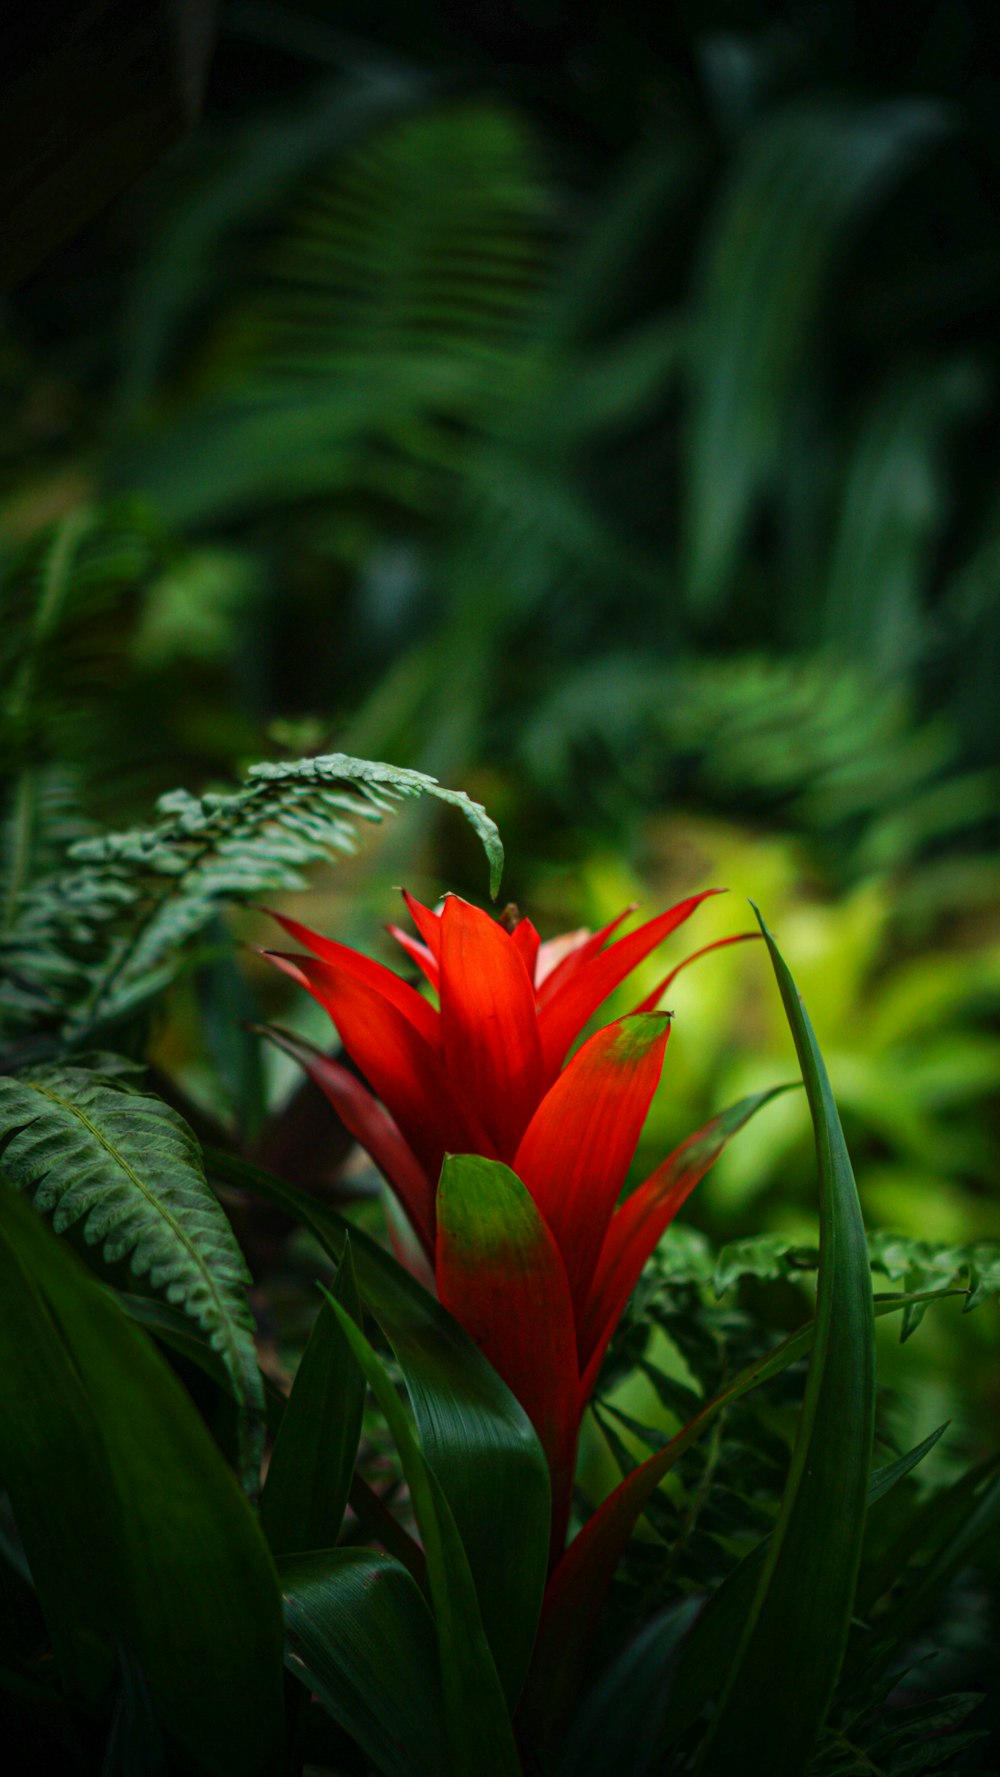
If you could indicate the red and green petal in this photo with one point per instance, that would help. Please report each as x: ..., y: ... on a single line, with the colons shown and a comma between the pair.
x: 641, y: 1221
x: 351, y: 962
x: 370, y: 1125
x: 577, y: 995
x: 500, y: 1273
x: 579, y: 1145
x: 397, y: 1062
x: 489, y: 1032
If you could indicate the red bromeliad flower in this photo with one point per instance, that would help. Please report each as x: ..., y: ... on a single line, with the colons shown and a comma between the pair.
x: 485, y: 1076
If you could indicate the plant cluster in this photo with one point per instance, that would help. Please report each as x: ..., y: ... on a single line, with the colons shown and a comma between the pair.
x: 447, y: 1587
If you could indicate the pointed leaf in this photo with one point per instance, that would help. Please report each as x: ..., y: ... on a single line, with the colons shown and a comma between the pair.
x: 136, y: 1532
x: 371, y: 1125
x: 478, y: 1723
x: 583, y: 988
x: 474, y: 1434
x: 489, y: 1031
x: 309, y: 1475
x: 358, y: 1632
x: 779, y: 1689
x: 343, y: 960
x: 636, y: 1227
x: 400, y: 1066
x: 579, y: 1144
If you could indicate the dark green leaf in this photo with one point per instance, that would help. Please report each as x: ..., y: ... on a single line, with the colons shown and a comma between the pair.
x: 129, y: 1170
x: 136, y: 1532
x: 779, y: 1688
x: 479, y: 1729
x: 474, y: 1434
x: 358, y: 1632
x: 309, y: 1475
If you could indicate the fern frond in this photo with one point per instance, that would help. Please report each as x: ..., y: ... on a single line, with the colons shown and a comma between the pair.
x: 92, y: 1151
x: 95, y: 941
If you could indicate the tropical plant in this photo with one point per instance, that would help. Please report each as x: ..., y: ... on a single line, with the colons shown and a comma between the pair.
x: 447, y: 1628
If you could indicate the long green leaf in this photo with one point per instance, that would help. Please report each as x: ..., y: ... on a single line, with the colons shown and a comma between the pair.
x: 309, y: 1475
x: 127, y: 1168
x: 581, y: 1580
x: 713, y: 1644
x: 780, y: 1685
x: 479, y: 1730
x: 136, y: 1532
x: 807, y: 175
x: 359, y: 1633
x: 474, y: 1434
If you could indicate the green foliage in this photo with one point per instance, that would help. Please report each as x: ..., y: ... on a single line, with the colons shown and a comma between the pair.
x: 344, y: 1609
x: 125, y: 1168
x: 309, y: 1475
x: 134, y: 1529
x: 475, y: 1436
x: 777, y: 1693
x: 93, y: 943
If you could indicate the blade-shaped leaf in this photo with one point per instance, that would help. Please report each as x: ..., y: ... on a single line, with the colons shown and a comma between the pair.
x: 359, y: 1633
x: 479, y: 1730
x: 309, y: 1475
x: 618, y: 1727
x: 579, y: 1584
x: 129, y: 1170
x: 713, y: 1643
x: 781, y: 1683
x: 474, y: 1434
x: 136, y: 1532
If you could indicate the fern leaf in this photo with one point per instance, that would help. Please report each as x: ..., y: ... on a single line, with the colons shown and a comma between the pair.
x: 127, y: 1170
x: 94, y: 942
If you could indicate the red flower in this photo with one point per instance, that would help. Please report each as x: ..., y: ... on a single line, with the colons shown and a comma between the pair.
x: 543, y: 1287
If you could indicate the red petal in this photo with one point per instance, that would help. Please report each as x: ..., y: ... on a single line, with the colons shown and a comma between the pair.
x: 500, y: 1274
x: 351, y: 962
x: 652, y: 1000
x: 422, y: 956
x: 578, y: 1147
x: 560, y: 958
x: 399, y: 1065
x: 373, y: 1128
x: 580, y: 993
x: 527, y: 941
x: 427, y: 922
x: 489, y: 1032
x: 637, y: 1226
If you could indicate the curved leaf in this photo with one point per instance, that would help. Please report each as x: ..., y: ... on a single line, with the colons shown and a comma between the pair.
x: 309, y: 1474
x: 806, y: 177
x: 358, y: 1632
x: 780, y: 1686
x: 478, y: 1724
x: 475, y: 1435
x: 136, y: 1532
x: 126, y: 1167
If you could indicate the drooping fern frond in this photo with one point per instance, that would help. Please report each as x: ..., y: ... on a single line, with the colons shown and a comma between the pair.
x: 93, y: 942
x: 94, y: 1152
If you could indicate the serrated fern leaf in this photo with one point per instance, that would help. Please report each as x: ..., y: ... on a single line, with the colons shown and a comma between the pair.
x: 95, y: 941
x: 127, y: 1170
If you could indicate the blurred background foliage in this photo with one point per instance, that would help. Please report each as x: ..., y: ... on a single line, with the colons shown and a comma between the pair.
x: 594, y: 409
